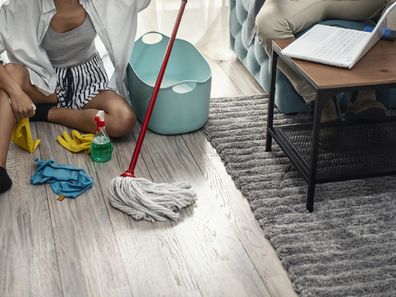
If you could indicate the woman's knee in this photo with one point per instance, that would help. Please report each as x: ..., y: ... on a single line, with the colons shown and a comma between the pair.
x: 123, y: 122
x: 270, y: 25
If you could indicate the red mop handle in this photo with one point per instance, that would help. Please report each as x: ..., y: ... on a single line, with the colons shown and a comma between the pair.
x: 143, y: 130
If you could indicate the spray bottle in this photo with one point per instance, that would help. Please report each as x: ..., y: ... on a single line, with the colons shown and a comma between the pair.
x: 101, y: 147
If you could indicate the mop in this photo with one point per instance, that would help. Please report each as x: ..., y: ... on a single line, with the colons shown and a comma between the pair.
x: 139, y: 197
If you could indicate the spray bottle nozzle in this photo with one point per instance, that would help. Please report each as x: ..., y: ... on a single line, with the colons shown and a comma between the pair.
x: 99, y: 119
x: 99, y: 115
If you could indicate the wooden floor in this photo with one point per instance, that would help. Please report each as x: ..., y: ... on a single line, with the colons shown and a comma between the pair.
x: 84, y: 247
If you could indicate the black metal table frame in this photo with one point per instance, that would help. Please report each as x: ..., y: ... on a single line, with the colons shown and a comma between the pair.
x: 322, y: 95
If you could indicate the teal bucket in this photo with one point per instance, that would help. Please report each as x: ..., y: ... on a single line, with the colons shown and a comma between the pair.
x: 182, y: 104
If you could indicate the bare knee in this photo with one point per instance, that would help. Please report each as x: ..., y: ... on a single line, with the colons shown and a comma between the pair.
x: 123, y: 121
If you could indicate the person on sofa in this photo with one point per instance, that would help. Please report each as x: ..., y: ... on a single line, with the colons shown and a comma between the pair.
x: 279, y: 19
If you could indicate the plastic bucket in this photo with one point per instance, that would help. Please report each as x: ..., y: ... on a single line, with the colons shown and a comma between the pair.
x: 182, y: 104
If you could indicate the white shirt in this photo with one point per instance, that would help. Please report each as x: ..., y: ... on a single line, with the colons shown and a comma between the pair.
x: 23, y: 24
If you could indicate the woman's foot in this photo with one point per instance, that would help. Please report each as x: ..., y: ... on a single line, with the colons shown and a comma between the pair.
x: 5, y: 180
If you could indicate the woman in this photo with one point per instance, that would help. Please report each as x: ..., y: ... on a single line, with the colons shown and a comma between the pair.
x: 283, y: 18
x: 54, y: 65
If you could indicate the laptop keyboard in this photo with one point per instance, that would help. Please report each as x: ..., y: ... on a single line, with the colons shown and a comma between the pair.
x: 338, y: 46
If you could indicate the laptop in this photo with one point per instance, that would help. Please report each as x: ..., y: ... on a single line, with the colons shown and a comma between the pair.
x: 336, y: 46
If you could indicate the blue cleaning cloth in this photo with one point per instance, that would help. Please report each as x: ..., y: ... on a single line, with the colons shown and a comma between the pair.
x: 64, y: 179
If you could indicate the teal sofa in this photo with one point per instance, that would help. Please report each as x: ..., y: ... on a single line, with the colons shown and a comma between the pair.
x: 256, y: 61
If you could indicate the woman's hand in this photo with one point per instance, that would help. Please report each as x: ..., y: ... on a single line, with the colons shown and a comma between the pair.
x: 22, y: 106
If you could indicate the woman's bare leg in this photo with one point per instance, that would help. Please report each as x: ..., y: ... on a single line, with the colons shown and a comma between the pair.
x: 7, y: 123
x: 20, y: 74
x: 119, y: 116
x: 7, y: 119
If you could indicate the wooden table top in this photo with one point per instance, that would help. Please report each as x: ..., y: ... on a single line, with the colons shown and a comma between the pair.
x: 377, y: 67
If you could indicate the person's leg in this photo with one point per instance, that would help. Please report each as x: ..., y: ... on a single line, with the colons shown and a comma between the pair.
x: 119, y: 116
x: 280, y: 19
x: 366, y: 106
x: 42, y: 102
x: 20, y: 74
x: 7, y: 123
x: 283, y: 18
x: 7, y: 118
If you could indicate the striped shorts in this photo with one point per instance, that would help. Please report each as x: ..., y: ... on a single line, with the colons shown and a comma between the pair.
x: 77, y: 85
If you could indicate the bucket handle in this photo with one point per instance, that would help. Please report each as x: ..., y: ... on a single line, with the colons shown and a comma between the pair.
x: 177, y: 88
x: 163, y: 39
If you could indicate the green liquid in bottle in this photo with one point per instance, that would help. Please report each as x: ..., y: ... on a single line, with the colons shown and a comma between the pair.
x: 101, y: 149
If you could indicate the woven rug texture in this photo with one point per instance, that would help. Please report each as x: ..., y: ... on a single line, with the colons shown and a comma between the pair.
x: 347, y: 246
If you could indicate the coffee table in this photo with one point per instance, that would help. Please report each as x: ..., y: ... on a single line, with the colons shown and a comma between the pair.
x: 343, y: 150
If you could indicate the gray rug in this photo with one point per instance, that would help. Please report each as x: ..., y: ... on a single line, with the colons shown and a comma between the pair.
x: 346, y: 247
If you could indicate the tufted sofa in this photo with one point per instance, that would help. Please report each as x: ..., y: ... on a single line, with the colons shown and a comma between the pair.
x: 256, y: 61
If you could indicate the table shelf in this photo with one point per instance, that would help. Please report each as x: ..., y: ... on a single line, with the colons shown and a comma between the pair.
x: 347, y: 150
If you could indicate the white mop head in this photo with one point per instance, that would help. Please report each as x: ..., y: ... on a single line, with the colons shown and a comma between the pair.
x: 143, y: 199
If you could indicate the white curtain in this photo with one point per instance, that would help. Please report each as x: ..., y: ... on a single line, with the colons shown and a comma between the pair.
x: 204, y: 23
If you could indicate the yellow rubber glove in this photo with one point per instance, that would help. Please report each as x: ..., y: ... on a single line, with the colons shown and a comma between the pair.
x: 76, y: 142
x: 22, y: 136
